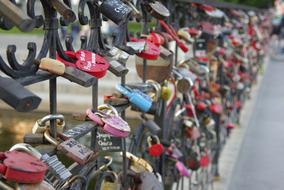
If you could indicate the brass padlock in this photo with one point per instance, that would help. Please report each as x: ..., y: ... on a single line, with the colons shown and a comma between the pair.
x: 111, y: 185
x: 166, y: 92
x: 137, y: 164
x: 42, y: 124
x: 72, y: 149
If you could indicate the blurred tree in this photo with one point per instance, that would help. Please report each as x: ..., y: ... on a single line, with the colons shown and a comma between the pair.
x: 255, y: 3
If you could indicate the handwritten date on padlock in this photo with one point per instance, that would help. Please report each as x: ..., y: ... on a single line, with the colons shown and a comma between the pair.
x: 75, y: 150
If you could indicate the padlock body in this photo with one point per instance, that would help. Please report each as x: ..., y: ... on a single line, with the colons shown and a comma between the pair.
x: 76, y: 151
x: 115, y: 10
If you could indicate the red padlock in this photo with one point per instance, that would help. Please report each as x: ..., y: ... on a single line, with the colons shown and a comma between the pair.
x: 193, y: 32
x: 155, y: 148
x: 204, y: 159
x: 216, y: 108
x: 230, y: 125
x: 156, y: 38
x: 189, y: 110
x: 21, y: 167
x: 91, y: 63
x: 151, y: 51
x: 86, y: 61
x: 201, y: 106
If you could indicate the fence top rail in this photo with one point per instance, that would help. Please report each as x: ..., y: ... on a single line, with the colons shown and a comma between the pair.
x: 224, y: 5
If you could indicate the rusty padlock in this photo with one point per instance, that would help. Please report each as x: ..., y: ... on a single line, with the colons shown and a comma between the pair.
x: 21, y: 167
x: 155, y: 148
x: 72, y: 149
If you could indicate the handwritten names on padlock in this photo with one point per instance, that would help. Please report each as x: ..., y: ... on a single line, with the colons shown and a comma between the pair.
x: 75, y: 150
x: 107, y: 142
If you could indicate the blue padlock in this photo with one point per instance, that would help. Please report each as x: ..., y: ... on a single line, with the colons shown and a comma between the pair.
x: 136, y: 97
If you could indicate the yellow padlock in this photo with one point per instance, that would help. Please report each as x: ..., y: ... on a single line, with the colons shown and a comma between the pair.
x: 166, y: 93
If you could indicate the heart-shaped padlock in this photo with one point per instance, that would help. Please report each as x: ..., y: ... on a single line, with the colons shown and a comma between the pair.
x: 91, y: 63
x: 111, y: 122
x: 155, y: 148
x: 86, y: 61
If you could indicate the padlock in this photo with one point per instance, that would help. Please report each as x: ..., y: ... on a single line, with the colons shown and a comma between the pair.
x: 162, y: 65
x: 136, y: 97
x: 166, y: 93
x: 156, y: 38
x: 183, y: 171
x: 216, y: 108
x: 16, y: 16
x: 192, y: 160
x: 157, y: 9
x: 21, y: 167
x: 86, y: 61
x: 15, y: 95
x: 150, y: 52
x: 44, y: 185
x: 115, y: 10
x: 111, y: 182
x: 155, y: 148
x: 55, y: 167
x: 107, y: 117
x: 72, y: 149
x: 41, y: 125
x: 156, y: 94
x: 184, y: 35
x: 91, y: 63
x: 174, y: 152
x: 138, y: 46
x: 137, y: 164
x: 185, y: 83
x: 117, y: 68
x: 118, y: 54
x: 191, y: 131
x: 204, y: 159
x: 70, y: 73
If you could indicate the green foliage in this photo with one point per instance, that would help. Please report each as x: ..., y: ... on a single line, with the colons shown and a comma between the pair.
x: 255, y: 3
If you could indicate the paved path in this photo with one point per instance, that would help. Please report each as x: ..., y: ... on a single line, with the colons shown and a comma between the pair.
x: 259, y: 165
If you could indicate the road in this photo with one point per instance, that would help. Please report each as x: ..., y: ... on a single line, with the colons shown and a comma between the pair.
x: 259, y: 163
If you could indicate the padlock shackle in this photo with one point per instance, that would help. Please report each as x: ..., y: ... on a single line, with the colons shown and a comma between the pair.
x: 26, y: 148
x: 50, y: 139
x: 50, y: 117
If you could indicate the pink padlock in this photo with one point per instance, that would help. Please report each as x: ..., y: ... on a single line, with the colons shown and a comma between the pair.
x: 182, y: 169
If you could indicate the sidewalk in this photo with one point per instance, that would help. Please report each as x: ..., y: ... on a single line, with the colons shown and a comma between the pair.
x: 252, y: 158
